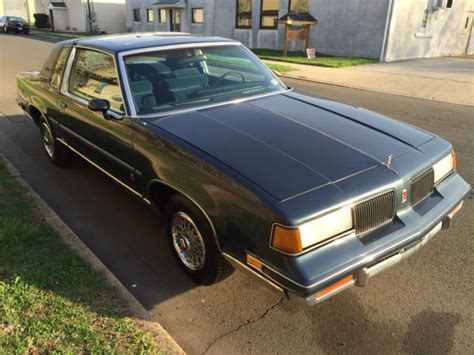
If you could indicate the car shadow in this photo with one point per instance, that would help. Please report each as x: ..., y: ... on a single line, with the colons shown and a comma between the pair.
x: 130, y: 239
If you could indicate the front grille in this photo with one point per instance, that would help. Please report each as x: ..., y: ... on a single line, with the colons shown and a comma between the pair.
x: 374, y: 212
x: 422, y: 186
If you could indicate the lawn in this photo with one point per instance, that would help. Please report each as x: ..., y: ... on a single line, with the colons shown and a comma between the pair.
x: 320, y: 60
x: 50, y: 300
x: 280, y: 68
x: 56, y: 35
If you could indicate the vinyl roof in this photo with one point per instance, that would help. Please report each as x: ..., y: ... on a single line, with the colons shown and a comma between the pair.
x: 124, y: 42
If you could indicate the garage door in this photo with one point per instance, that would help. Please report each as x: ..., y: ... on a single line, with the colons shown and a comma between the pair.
x: 15, y: 8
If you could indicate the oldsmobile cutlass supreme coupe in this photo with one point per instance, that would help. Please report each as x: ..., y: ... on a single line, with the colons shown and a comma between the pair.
x: 310, y: 195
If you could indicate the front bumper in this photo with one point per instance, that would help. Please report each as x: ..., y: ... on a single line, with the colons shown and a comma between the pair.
x: 356, y: 261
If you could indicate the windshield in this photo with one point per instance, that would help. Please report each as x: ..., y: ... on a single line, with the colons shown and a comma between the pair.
x: 189, y: 77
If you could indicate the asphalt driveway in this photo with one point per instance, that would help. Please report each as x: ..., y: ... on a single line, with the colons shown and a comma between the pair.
x: 423, y: 305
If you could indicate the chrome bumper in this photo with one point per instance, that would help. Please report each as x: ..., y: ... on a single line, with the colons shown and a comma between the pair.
x: 362, y: 276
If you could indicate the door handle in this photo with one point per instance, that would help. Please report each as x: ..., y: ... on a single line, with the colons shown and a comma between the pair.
x: 62, y: 105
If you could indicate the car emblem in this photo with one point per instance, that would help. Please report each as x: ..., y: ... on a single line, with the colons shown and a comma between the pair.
x: 404, y: 195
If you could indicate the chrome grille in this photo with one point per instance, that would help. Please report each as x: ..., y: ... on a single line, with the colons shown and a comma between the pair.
x: 374, y: 212
x: 422, y: 186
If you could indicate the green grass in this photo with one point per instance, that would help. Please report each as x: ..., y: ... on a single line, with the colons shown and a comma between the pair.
x: 50, y: 300
x: 281, y: 68
x: 320, y: 60
x: 55, y: 35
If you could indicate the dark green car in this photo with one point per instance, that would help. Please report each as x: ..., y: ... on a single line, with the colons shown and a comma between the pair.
x: 309, y: 195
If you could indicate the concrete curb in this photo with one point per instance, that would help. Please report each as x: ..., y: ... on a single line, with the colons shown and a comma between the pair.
x: 387, y: 92
x: 135, y: 309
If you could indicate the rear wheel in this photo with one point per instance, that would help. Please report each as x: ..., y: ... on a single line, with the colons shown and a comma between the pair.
x: 193, y: 243
x: 55, y: 150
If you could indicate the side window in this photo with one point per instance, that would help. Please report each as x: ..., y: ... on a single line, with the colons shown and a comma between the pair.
x: 231, y: 60
x: 93, y: 75
x: 57, y: 72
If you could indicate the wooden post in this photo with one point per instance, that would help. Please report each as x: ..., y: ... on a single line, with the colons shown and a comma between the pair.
x: 285, y: 50
x: 306, y: 40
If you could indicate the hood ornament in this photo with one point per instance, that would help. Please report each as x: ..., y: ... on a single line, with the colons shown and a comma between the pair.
x: 389, y: 160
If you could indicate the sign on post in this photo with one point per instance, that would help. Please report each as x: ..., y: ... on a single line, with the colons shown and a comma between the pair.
x: 311, y: 53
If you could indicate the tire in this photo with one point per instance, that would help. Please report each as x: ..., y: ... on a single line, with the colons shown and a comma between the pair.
x: 27, y: 32
x: 55, y: 150
x: 206, y: 267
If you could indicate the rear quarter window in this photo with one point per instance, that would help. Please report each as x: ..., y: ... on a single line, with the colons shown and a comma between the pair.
x: 47, y: 69
x: 57, y: 71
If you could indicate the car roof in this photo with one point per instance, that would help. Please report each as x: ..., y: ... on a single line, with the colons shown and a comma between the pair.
x: 130, y: 41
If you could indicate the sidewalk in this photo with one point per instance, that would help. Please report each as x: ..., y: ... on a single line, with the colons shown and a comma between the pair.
x: 444, y: 79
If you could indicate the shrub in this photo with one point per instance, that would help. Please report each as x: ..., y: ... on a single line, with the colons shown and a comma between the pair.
x: 41, y: 20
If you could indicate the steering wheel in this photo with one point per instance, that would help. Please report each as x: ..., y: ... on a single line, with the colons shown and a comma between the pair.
x: 223, y: 76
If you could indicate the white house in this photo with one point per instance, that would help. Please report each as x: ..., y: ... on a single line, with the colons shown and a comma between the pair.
x: 72, y: 15
x: 382, y: 29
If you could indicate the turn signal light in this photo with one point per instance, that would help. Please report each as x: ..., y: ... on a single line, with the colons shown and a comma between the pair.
x: 336, y: 285
x: 454, y: 160
x: 254, y: 262
x: 287, y: 240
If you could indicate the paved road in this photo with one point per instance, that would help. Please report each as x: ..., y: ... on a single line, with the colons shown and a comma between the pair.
x: 423, y: 305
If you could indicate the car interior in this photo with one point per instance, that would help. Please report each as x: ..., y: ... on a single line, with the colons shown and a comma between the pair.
x: 161, y: 80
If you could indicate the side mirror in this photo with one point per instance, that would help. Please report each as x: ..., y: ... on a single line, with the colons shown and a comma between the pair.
x: 100, y: 105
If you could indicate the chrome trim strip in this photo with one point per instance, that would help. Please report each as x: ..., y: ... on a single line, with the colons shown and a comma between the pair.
x: 103, y: 170
x: 179, y: 46
x: 272, y: 283
x: 99, y: 149
x: 128, y: 94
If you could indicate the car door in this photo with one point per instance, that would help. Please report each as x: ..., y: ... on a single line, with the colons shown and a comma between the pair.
x: 104, y: 139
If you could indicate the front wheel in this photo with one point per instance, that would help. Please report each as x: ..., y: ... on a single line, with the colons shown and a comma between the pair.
x: 193, y: 243
x: 55, y: 150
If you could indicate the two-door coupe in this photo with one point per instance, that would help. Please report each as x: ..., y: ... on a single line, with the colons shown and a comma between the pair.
x: 310, y: 195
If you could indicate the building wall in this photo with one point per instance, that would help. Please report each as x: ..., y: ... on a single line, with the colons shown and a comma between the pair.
x: 346, y: 27
x: 142, y: 26
x: 76, y: 16
x: 61, y: 19
x: 110, y: 15
x: 352, y: 28
x: 444, y: 34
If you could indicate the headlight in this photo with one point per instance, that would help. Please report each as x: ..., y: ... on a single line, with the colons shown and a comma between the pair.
x: 444, y: 167
x: 295, y: 240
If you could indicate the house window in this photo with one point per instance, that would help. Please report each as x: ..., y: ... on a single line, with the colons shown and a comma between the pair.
x: 244, y: 14
x: 137, y: 15
x: 197, y: 15
x: 149, y: 15
x: 162, y: 17
x: 269, y: 14
x: 424, y: 22
x: 298, y: 6
x: 449, y: 4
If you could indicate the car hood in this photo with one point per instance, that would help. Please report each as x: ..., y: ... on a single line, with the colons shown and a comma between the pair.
x: 289, y: 144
